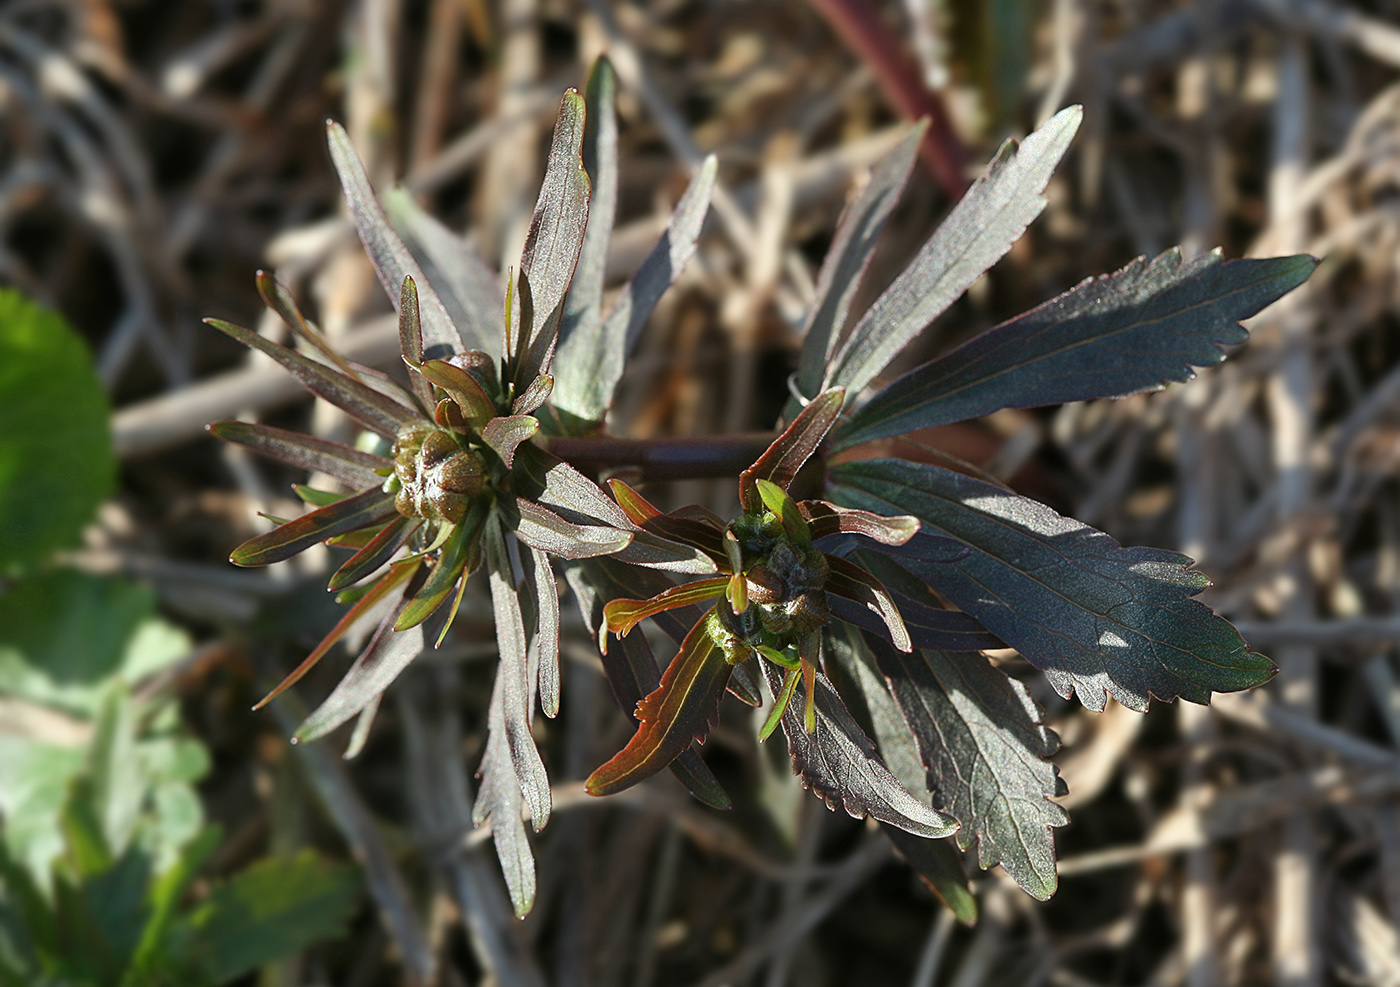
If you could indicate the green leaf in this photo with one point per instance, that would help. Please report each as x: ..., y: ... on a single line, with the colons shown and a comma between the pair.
x: 843, y: 270
x: 981, y: 228
x: 1097, y: 618
x: 274, y: 909
x: 1131, y: 331
x: 56, y: 462
x: 391, y: 259
x: 981, y: 738
x: 366, y: 508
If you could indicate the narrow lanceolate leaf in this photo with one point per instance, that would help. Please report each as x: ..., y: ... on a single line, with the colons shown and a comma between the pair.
x: 843, y: 270
x: 1097, y: 618
x: 376, y: 411
x: 477, y: 406
x: 850, y: 581
x: 377, y: 551
x: 829, y: 519
x: 629, y: 664
x: 391, y: 259
x: 991, y: 216
x: 305, y: 451
x: 637, y: 508
x: 281, y: 543
x: 622, y: 615
x: 514, y: 675
x: 940, y: 866
x: 541, y: 528
x: 790, y: 450
x: 927, y: 627
x: 533, y: 396
x: 504, y: 435
x: 411, y: 341
x: 683, y: 708
x: 447, y: 571
x: 387, y: 654
x: 547, y: 632
x: 467, y: 288
x: 553, y: 243
x: 981, y: 738
x: 499, y: 802
x: 276, y: 297
x: 591, y: 364
x: 1134, y: 330
x: 839, y: 763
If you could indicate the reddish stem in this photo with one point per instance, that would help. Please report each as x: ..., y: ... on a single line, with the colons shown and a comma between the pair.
x: 856, y: 24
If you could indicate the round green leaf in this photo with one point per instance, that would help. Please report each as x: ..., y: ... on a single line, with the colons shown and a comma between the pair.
x: 56, y: 462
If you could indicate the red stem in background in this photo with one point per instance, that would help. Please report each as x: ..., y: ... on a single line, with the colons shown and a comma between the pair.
x: 856, y: 24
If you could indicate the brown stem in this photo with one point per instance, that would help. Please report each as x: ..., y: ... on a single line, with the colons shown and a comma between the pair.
x: 856, y: 24
x: 665, y: 459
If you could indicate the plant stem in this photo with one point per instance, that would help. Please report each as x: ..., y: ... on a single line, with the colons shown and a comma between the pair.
x: 694, y: 458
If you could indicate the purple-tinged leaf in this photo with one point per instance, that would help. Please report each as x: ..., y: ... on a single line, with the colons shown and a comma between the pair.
x: 514, y: 674
x: 638, y: 509
x: 981, y: 737
x: 743, y: 686
x: 590, y: 364
x: 281, y: 543
x: 828, y: 519
x: 790, y: 450
x: 940, y: 867
x: 377, y: 551
x: 621, y: 615
x: 451, y: 566
x: 387, y: 583
x: 477, y: 407
x: 1097, y: 618
x: 305, y: 451
x: 535, y: 395
x: 1135, y: 330
x: 387, y: 654
x: 499, y: 802
x: 391, y: 259
x: 980, y: 229
x: 629, y: 664
x: 927, y: 627
x: 843, y: 270
x: 839, y: 763
x: 469, y: 290
x: 541, y: 528
x: 276, y: 297
x: 504, y: 435
x: 850, y: 581
x: 553, y: 243
x: 411, y: 341
x: 364, y: 403
x: 682, y: 708
x: 547, y: 632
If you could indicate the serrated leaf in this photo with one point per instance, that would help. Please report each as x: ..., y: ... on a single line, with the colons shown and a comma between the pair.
x: 682, y: 709
x: 1097, y: 618
x: 307, y: 452
x: 56, y: 462
x: 1135, y: 330
x: 843, y: 270
x: 391, y: 259
x: 467, y: 288
x: 790, y: 450
x: 980, y: 229
x: 282, y: 542
x: 275, y: 908
x: 355, y: 398
x: 839, y: 763
x: 981, y: 738
x: 590, y: 364
x: 513, y: 673
x: 553, y: 243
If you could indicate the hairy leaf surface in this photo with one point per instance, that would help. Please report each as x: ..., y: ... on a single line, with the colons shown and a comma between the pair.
x: 1097, y: 618
x: 1131, y: 331
x: 499, y: 803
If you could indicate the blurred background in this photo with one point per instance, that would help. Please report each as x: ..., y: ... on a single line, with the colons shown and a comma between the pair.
x: 153, y: 155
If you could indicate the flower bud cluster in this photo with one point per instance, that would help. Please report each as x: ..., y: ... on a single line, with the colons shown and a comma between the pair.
x: 438, y: 477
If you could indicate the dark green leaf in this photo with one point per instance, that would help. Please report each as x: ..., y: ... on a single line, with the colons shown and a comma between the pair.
x: 991, y: 216
x: 790, y: 450
x: 411, y: 341
x: 981, y: 738
x: 355, y: 398
x: 305, y: 451
x: 1131, y: 331
x: 275, y: 908
x: 282, y: 542
x: 448, y: 570
x: 56, y: 461
x: 391, y: 259
x: 843, y: 270
x: 377, y: 551
x: 1097, y: 618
